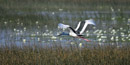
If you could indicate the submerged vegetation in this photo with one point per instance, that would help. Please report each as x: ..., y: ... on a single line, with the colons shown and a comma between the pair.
x: 28, y: 32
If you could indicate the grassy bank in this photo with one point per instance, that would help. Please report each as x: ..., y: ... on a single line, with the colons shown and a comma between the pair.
x: 109, y: 55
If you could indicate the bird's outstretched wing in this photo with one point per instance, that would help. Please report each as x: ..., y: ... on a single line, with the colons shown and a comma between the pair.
x: 63, y: 26
x: 82, y: 25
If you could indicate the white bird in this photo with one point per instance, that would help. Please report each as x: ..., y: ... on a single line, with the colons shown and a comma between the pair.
x: 77, y: 32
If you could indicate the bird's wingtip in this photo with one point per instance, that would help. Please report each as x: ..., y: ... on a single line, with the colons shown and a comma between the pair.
x: 90, y: 21
x: 60, y: 25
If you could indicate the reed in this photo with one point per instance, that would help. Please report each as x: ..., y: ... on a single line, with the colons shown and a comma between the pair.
x: 107, y: 55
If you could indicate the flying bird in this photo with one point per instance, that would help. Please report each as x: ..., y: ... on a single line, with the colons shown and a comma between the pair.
x: 77, y: 32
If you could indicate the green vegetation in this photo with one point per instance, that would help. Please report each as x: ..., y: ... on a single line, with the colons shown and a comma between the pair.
x: 67, y: 5
x: 108, y: 55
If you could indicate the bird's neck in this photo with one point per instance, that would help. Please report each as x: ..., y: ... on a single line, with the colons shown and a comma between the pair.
x: 65, y: 33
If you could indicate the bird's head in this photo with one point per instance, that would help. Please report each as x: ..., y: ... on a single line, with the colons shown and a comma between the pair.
x: 63, y: 33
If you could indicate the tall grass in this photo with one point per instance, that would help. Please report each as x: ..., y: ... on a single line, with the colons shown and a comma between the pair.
x: 107, y: 55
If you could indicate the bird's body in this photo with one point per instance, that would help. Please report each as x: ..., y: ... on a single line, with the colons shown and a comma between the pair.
x: 77, y: 32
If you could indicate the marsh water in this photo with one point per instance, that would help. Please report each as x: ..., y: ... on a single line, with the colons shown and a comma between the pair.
x: 40, y: 27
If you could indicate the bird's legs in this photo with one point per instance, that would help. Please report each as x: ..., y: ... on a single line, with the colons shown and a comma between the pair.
x: 84, y: 38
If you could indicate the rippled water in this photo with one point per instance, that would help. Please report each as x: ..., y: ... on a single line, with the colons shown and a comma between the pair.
x: 111, y: 28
